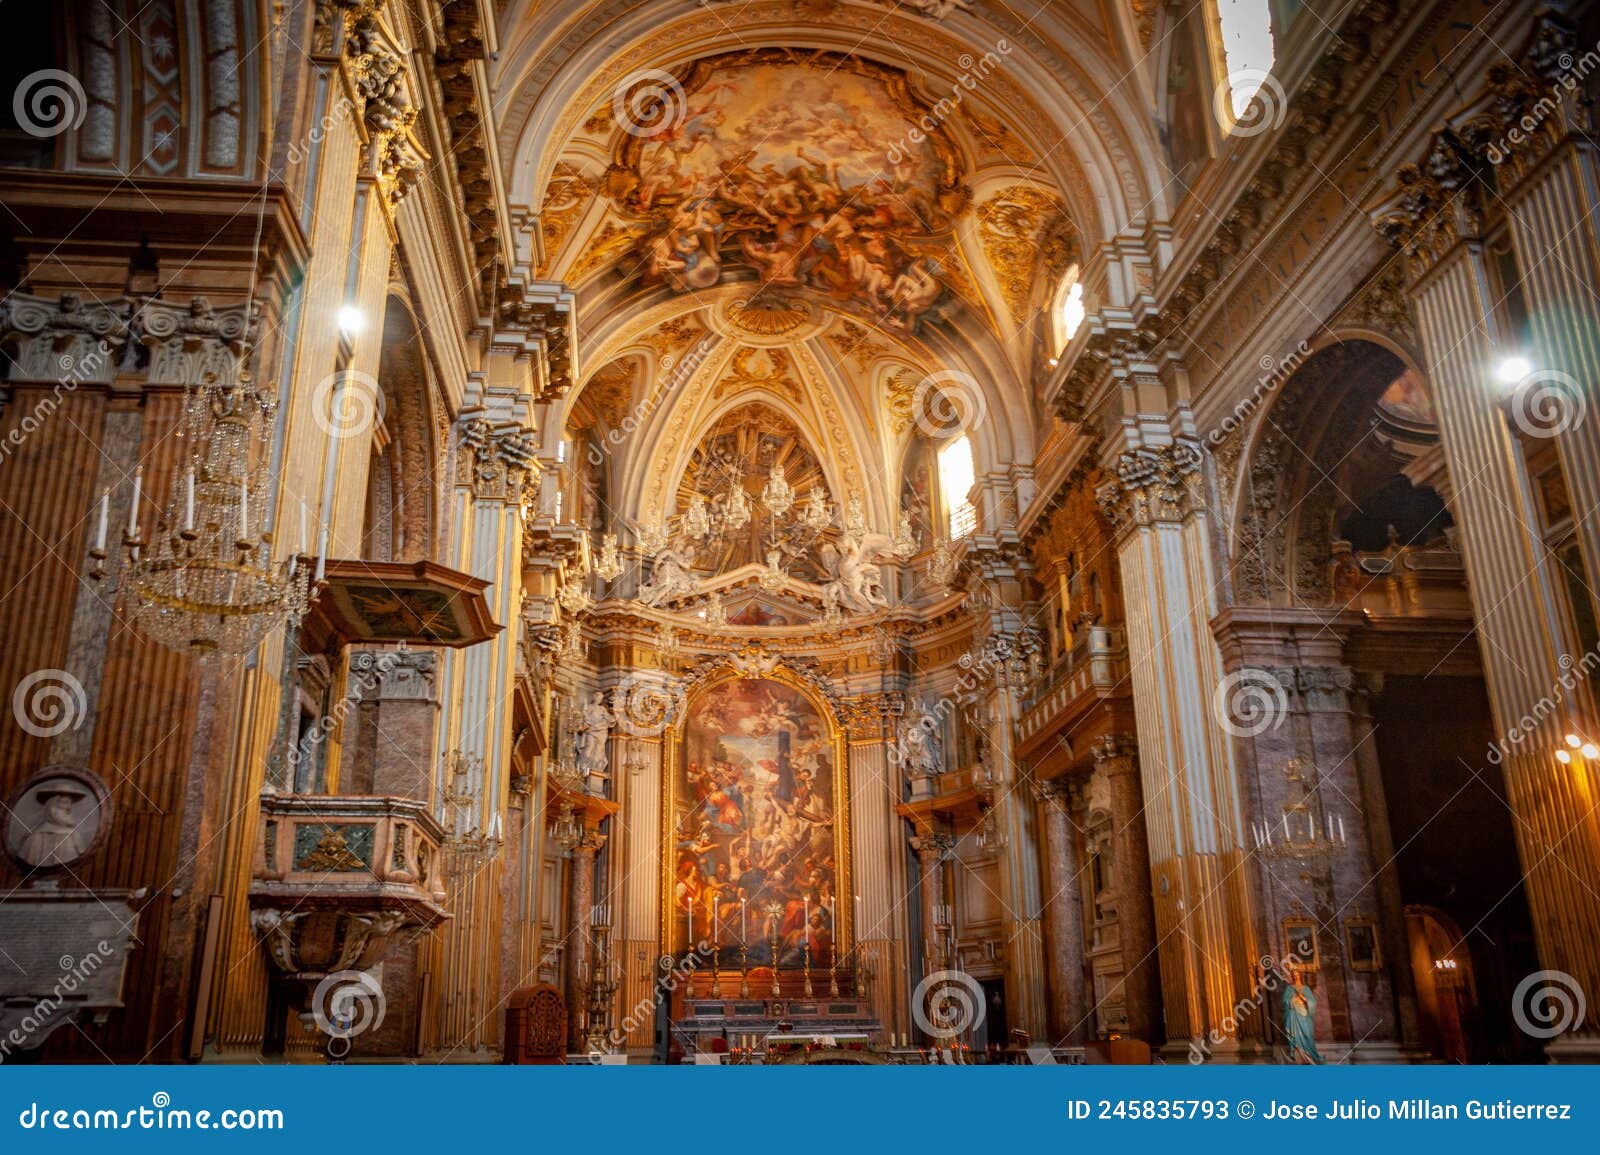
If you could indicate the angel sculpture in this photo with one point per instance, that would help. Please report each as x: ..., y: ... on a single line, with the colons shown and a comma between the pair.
x: 670, y: 578
x: 856, y: 578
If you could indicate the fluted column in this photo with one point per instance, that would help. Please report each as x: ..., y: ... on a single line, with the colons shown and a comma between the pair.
x: 1063, y: 916
x: 877, y: 863
x: 1526, y: 641
x: 1115, y: 759
x: 637, y: 833
x: 1187, y: 767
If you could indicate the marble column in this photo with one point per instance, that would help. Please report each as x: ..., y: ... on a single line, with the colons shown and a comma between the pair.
x: 1526, y: 639
x: 1187, y: 765
x: 1114, y: 758
x: 1068, y: 1007
x: 580, y: 902
x: 1393, y: 942
x: 932, y: 849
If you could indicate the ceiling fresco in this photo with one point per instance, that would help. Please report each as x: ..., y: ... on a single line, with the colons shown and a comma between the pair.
x: 807, y: 170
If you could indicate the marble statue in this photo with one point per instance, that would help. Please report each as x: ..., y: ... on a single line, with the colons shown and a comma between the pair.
x: 1299, y: 1019
x: 593, y: 729
x: 856, y: 578
x: 670, y: 578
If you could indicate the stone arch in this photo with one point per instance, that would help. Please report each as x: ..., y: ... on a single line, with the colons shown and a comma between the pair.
x: 1333, y: 433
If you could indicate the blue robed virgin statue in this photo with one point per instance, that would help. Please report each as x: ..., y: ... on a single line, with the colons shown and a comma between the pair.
x: 1299, y: 1019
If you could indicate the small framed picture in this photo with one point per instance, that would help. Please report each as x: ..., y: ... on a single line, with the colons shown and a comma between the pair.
x: 1300, y: 942
x: 1361, y: 944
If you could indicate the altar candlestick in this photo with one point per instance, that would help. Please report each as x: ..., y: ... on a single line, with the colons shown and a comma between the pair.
x: 133, y: 509
x: 100, y: 529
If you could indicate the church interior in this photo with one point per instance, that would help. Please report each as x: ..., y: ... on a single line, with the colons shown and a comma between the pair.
x: 800, y: 531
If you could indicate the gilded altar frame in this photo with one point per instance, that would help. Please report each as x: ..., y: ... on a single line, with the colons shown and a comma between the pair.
x: 671, y: 757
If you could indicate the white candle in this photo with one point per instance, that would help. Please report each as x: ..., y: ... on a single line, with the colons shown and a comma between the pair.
x: 322, y: 553
x: 744, y: 930
x: 1341, y: 828
x: 188, y: 501
x: 133, y: 509
x: 716, y: 921
x: 1330, y: 827
x: 691, y: 923
x: 105, y: 514
x: 244, y: 508
x: 1286, y: 836
x: 305, y: 538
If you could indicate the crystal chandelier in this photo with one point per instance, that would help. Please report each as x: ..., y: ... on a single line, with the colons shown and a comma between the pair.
x: 777, y: 496
x: 208, y: 582
x: 716, y: 614
x: 609, y: 567
x: 773, y: 578
x: 573, y: 597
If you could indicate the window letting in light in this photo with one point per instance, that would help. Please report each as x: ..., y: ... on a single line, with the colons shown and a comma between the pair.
x: 1246, y: 46
x: 956, y: 478
x: 1067, y: 312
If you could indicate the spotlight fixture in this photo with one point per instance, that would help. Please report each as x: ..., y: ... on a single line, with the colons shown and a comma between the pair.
x: 1513, y: 369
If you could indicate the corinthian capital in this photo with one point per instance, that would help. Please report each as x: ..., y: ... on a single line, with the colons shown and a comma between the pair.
x: 1154, y: 485
x: 496, y: 460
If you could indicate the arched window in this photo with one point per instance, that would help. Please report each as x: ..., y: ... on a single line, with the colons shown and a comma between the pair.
x: 1066, y: 311
x: 956, y: 478
x: 1246, y: 27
